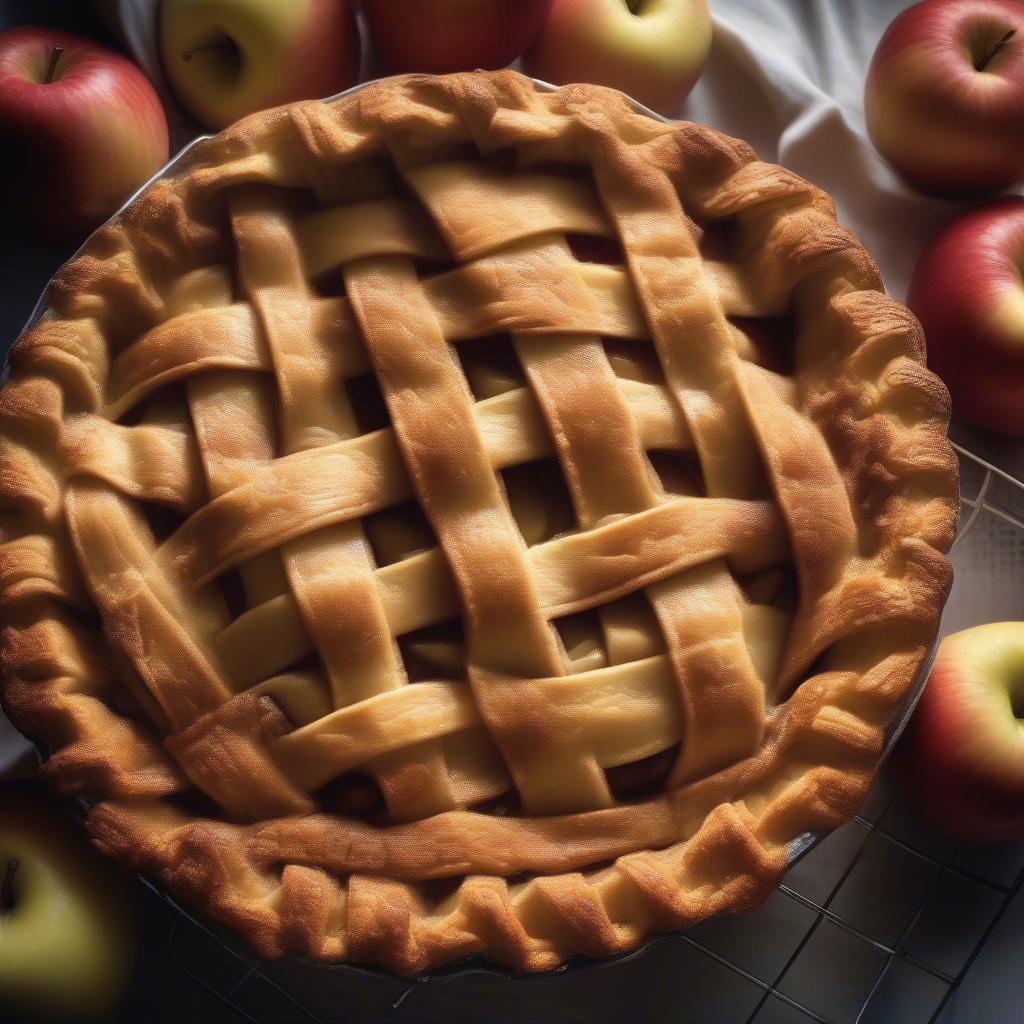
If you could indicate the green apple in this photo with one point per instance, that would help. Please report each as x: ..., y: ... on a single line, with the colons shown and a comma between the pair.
x: 654, y: 50
x: 227, y: 58
x: 67, y: 917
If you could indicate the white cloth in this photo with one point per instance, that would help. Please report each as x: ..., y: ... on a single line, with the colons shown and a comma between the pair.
x: 786, y: 75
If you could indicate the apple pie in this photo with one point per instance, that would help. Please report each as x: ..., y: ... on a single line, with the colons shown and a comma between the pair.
x: 463, y: 519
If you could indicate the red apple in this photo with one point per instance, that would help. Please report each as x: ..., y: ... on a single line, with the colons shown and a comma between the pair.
x: 968, y: 292
x: 440, y: 36
x: 963, y: 752
x: 229, y: 58
x: 654, y: 50
x: 944, y: 98
x: 67, y: 916
x: 82, y: 129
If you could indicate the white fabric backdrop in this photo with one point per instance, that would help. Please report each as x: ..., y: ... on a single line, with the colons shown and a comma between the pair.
x: 787, y: 76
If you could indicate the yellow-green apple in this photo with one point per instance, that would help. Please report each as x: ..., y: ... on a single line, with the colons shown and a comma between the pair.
x: 654, y: 50
x: 67, y: 917
x: 81, y: 126
x: 944, y: 98
x: 963, y: 752
x: 227, y: 58
x: 452, y: 35
x: 968, y: 292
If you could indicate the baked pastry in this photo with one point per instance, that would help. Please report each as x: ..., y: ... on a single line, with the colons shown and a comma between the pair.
x: 462, y: 518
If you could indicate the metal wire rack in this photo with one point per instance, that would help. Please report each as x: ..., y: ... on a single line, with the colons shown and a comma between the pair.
x: 884, y: 920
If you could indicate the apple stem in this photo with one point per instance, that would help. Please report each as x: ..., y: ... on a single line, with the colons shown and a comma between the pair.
x: 54, y: 57
x: 189, y: 54
x: 997, y: 46
x: 7, y: 889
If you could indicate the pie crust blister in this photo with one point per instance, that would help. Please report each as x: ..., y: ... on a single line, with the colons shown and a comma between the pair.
x: 461, y: 518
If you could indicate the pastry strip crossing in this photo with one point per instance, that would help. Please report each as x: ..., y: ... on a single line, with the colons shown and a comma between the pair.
x: 461, y: 518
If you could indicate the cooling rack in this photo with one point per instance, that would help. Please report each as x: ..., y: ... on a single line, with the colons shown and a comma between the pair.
x: 883, y: 920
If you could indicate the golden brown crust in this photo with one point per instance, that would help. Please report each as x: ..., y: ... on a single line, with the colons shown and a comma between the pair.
x: 850, y: 447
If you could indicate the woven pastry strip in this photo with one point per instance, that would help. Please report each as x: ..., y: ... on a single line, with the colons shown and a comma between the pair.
x: 476, y: 484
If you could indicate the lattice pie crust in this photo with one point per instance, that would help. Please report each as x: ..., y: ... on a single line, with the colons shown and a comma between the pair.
x: 460, y: 518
